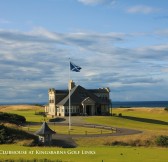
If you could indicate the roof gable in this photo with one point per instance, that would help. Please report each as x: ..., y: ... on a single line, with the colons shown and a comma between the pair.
x: 88, y: 101
x: 44, y: 130
x: 78, y: 94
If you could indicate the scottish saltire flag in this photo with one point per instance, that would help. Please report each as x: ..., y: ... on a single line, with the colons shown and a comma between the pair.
x: 74, y: 67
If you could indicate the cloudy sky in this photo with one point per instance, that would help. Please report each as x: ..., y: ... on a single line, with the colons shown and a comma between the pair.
x: 120, y: 44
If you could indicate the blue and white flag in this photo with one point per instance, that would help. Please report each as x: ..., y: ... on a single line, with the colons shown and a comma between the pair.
x: 74, y: 67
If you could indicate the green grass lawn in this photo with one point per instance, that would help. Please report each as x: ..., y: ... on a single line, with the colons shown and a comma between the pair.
x: 150, y: 113
x: 61, y: 129
x: 126, y: 123
x: 28, y: 111
x: 30, y: 115
x: 154, y: 123
x: 143, y: 119
x: 107, y: 154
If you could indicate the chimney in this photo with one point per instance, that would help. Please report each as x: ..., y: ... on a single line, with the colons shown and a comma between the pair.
x: 71, y: 84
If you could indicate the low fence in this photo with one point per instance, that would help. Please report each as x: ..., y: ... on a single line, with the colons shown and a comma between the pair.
x: 97, y: 129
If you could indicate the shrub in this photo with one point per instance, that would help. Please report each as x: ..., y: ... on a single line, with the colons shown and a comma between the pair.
x: 12, y: 118
x: 120, y: 143
x: 105, y: 114
x: 166, y: 108
x: 56, y: 120
x: 114, y: 114
x: 135, y: 142
x: 40, y: 113
x: 162, y: 141
x: 2, y: 136
x: 130, y: 142
x: 120, y: 114
x: 38, y: 105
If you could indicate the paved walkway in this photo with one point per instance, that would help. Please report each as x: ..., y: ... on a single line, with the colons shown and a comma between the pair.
x: 79, y: 121
x: 67, y: 141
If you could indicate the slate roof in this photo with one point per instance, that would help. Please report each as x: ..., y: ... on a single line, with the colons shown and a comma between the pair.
x: 78, y: 94
x: 44, y: 130
x: 59, y: 97
x: 61, y: 91
x: 100, y: 90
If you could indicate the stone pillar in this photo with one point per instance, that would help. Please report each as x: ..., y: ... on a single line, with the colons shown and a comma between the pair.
x: 71, y: 84
x: 84, y: 109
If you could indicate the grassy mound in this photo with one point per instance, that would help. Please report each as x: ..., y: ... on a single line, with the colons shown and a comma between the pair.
x: 6, y: 108
x: 10, y: 135
x: 28, y: 111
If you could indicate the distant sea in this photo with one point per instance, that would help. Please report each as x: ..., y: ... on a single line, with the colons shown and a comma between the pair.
x: 116, y: 104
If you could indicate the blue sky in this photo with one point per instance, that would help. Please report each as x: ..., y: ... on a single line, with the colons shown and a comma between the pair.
x: 119, y: 44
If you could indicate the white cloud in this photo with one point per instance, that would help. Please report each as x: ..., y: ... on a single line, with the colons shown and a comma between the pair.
x: 142, y: 9
x: 31, y: 62
x: 163, y: 32
x: 165, y: 70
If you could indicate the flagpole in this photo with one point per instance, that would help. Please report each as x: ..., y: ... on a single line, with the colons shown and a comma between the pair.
x: 75, y: 68
x: 69, y: 97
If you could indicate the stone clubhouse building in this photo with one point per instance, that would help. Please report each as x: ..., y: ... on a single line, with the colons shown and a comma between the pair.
x: 83, y: 101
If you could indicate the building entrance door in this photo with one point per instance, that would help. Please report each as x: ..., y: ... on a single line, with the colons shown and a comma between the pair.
x: 99, y: 110
x: 89, y: 110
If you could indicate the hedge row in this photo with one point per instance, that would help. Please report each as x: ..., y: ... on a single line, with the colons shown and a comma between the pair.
x: 12, y: 118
